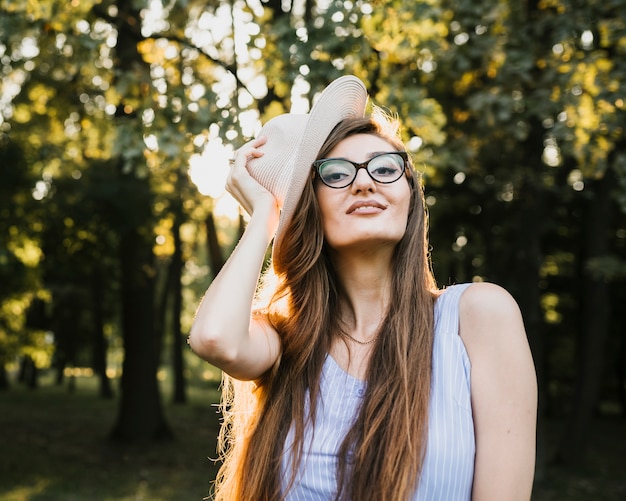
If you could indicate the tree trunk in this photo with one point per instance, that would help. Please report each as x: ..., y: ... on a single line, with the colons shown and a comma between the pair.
x: 620, y: 368
x: 162, y: 294
x: 140, y: 415
x: 4, y: 377
x: 28, y: 372
x: 99, y: 342
x: 178, y: 341
x: 594, y: 307
x: 241, y: 227
x: 59, y: 367
x: 216, y: 258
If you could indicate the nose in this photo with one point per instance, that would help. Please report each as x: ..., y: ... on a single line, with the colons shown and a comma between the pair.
x: 362, y: 182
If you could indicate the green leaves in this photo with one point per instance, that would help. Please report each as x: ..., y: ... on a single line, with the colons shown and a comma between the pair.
x: 510, y: 109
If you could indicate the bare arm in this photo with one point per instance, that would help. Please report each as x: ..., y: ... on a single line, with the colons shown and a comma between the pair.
x: 504, y: 394
x: 224, y: 332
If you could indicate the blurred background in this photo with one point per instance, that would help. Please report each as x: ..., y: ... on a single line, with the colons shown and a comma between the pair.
x: 117, y: 119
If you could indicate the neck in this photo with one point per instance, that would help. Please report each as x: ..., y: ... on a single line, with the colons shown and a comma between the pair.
x: 366, y: 279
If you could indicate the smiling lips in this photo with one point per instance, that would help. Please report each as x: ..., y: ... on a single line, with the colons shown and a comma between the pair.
x: 366, y: 207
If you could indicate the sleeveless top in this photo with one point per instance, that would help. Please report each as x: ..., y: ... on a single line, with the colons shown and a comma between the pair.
x: 448, y: 469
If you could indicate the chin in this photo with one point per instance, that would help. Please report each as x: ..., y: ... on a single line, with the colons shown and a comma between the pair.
x: 369, y: 242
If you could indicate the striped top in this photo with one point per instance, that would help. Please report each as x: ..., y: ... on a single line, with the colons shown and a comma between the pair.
x: 448, y: 468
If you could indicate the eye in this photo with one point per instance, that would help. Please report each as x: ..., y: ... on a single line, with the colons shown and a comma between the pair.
x: 335, y: 171
x: 386, y: 167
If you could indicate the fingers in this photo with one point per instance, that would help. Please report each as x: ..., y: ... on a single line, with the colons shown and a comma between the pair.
x: 240, y: 184
x: 248, y: 151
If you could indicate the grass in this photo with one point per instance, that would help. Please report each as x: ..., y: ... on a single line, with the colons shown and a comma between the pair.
x: 602, y: 477
x: 54, y: 447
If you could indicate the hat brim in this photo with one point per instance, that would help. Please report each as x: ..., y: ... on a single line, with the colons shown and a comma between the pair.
x: 345, y: 97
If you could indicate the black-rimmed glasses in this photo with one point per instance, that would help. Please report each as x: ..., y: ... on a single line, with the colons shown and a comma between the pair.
x: 383, y: 168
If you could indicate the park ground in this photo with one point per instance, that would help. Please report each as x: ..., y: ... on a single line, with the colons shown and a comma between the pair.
x: 54, y: 447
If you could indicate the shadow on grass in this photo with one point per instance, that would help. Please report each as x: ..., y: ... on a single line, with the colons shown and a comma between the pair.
x: 55, y: 447
x: 601, y: 477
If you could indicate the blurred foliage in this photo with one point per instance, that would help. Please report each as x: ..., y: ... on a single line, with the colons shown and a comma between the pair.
x: 513, y: 112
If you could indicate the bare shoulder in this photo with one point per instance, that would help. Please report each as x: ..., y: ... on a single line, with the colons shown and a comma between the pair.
x: 485, y: 298
x: 488, y: 313
x: 490, y: 322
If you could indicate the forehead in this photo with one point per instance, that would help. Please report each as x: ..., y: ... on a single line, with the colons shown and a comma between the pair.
x: 361, y: 147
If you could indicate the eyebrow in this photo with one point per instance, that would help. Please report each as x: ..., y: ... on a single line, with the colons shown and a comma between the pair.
x: 368, y: 156
x: 374, y: 153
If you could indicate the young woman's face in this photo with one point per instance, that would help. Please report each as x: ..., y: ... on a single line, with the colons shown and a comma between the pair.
x: 365, y: 214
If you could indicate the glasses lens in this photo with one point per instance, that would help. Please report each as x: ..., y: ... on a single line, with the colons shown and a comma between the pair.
x: 336, y: 173
x: 386, y: 168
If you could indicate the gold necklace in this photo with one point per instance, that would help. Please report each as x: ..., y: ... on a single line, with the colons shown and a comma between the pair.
x: 363, y: 343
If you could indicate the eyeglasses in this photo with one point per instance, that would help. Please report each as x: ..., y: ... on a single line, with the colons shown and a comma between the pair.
x: 383, y: 168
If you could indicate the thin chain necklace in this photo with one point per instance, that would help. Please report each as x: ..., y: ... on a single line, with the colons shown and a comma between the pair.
x: 363, y: 343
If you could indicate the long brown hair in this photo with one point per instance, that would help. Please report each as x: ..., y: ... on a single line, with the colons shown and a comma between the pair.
x: 304, y: 309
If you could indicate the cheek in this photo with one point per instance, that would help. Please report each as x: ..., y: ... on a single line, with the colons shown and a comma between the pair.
x: 324, y: 203
x: 330, y: 221
x: 404, y: 202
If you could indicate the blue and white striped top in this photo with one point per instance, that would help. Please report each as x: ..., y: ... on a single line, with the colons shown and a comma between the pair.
x: 448, y: 468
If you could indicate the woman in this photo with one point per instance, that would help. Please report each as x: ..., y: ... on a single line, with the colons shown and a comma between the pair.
x: 357, y: 379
